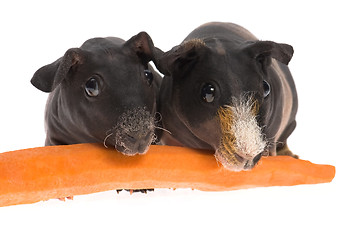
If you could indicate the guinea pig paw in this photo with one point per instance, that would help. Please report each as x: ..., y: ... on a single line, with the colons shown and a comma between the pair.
x: 64, y: 198
x: 131, y: 191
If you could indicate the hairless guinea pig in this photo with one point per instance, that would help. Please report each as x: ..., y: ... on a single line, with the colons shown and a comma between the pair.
x: 105, y: 91
x: 227, y: 91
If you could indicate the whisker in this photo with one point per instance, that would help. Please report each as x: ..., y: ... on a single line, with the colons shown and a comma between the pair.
x: 156, y: 119
x: 271, y: 143
x: 217, y: 161
x: 154, y: 139
x: 163, y: 129
x: 115, y: 147
x: 265, y: 153
x: 105, y: 140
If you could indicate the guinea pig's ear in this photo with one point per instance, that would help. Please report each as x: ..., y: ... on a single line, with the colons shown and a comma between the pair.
x: 50, y: 76
x: 263, y: 51
x: 143, y: 46
x: 181, y: 58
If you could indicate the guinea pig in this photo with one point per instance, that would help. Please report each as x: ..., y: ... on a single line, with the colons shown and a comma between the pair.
x: 226, y: 91
x: 103, y: 92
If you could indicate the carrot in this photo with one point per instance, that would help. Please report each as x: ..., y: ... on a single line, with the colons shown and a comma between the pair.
x: 32, y: 175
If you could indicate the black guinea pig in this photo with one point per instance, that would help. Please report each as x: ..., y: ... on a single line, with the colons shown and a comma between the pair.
x: 103, y: 92
x: 229, y: 92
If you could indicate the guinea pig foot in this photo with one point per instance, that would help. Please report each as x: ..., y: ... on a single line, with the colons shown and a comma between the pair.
x: 131, y: 191
x: 285, y: 151
x: 64, y: 198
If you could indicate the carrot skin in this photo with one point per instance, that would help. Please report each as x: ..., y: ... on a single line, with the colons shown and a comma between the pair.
x: 36, y: 174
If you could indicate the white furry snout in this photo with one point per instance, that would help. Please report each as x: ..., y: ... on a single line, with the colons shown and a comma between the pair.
x: 242, y: 138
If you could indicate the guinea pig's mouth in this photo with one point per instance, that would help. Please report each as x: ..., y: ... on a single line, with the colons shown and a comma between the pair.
x: 242, y: 142
x: 236, y: 162
x: 131, y: 146
x: 133, y: 132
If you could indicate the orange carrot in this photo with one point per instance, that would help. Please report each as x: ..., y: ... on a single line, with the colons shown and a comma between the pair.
x: 32, y: 175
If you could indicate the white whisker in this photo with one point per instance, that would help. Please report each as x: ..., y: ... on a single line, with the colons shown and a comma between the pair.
x: 154, y: 139
x: 163, y: 129
x: 105, y: 140
x: 217, y: 160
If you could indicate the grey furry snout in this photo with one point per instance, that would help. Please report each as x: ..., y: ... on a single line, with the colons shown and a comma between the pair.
x: 134, y: 131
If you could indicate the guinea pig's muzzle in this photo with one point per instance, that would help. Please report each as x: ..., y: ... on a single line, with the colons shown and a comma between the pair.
x: 242, y: 142
x: 133, y: 132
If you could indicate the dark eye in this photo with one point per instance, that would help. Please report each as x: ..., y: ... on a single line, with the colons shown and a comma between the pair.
x: 266, y: 88
x: 149, y: 75
x: 208, y: 92
x: 92, y: 87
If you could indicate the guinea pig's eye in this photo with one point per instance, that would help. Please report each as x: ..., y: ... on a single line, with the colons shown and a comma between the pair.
x: 208, y: 92
x: 266, y: 88
x: 92, y: 87
x: 149, y: 75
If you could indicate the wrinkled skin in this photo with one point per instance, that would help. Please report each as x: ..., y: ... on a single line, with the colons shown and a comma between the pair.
x: 223, y: 66
x: 103, y: 92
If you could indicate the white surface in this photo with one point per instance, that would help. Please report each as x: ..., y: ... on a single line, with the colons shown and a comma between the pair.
x: 326, y: 39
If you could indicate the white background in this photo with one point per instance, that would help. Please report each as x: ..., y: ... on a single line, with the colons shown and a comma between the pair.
x: 326, y: 68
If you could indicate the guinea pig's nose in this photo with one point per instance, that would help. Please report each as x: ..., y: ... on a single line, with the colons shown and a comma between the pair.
x: 257, y: 158
x: 132, y: 138
x: 137, y: 136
